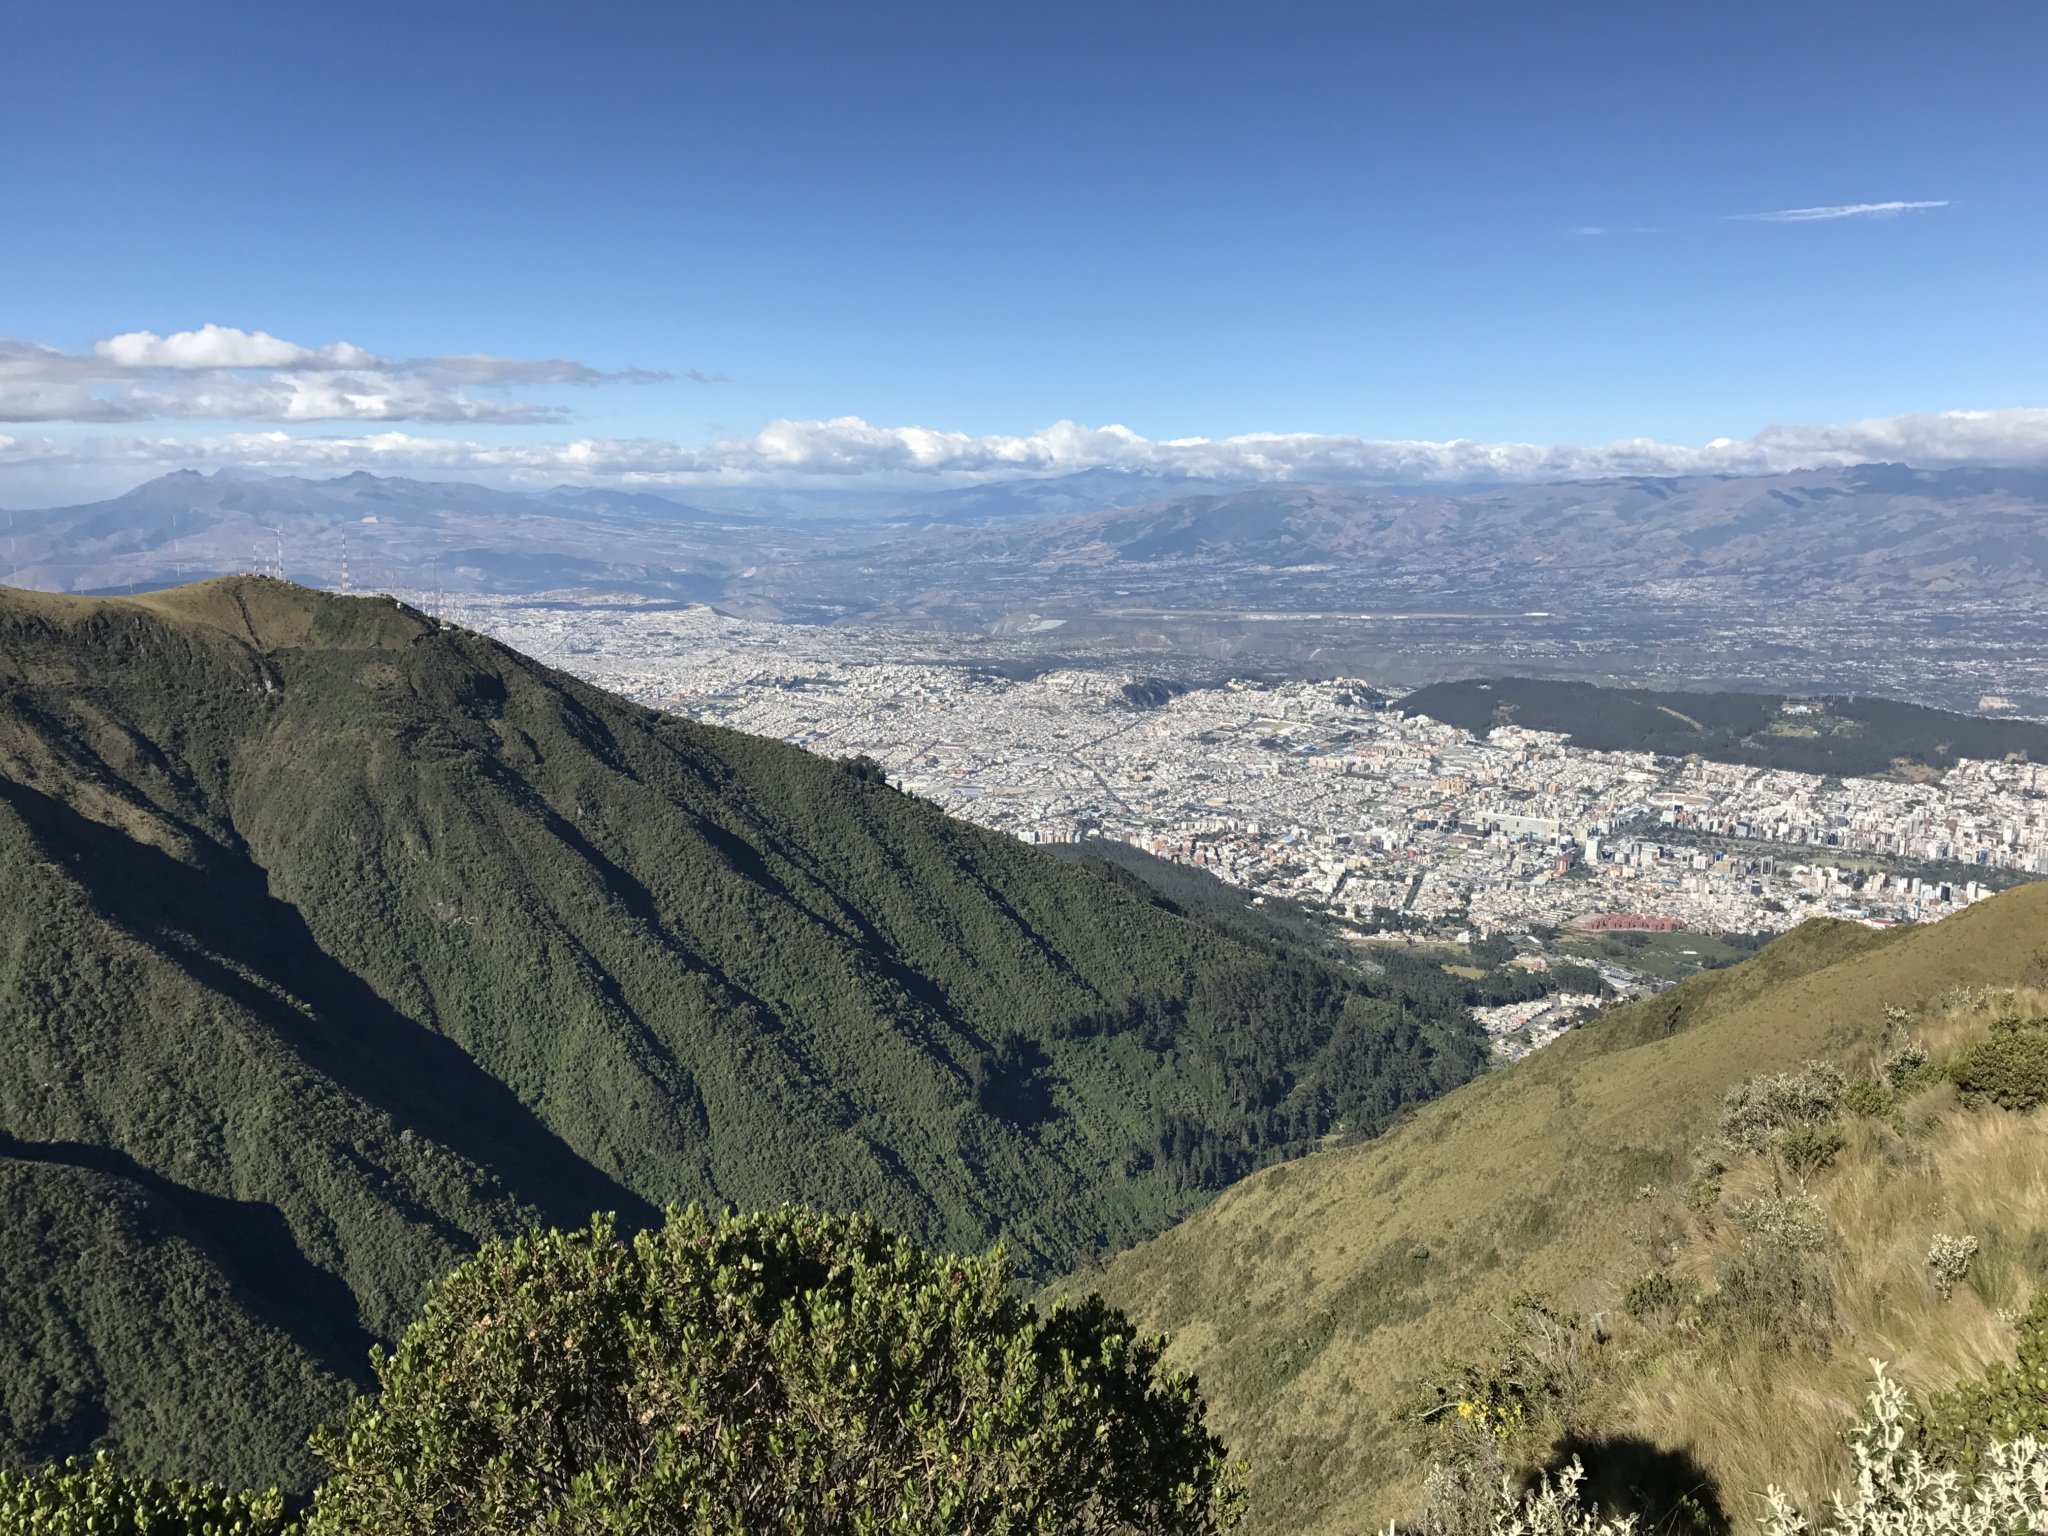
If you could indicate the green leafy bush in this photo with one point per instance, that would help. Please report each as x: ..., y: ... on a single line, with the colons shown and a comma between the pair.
x: 1809, y: 1148
x: 784, y: 1372
x: 1904, y: 1065
x: 1756, y: 1114
x: 2008, y: 1402
x: 1659, y: 1296
x: 2008, y: 1067
x: 93, y: 1499
x: 1869, y: 1097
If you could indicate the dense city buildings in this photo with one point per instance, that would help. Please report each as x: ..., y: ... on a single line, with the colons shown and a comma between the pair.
x: 1322, y: 792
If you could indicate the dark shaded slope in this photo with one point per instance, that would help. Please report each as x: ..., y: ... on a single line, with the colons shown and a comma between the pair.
x: 316, y: 906
x: 213, y: 1383
x: 228, y: 1164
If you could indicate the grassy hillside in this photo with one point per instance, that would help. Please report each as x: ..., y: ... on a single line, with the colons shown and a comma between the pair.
x: 1332, y: 1304
x: 333, y: 940
x: 1842, y: 736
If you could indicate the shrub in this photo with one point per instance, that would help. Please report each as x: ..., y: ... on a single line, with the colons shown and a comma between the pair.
x: 775, y: 1372
x: 1462, y: 1496
x: 1899, y: 1492
x: 2011, y: 1400
x: 1787, y: 1223
x: 93, y: 1499
x: 1757, y: 1113
x: 1459, y: 1506
x: 1948, y: 1258
x: 1869, y: 1097
x: 1775, y: 1288
x: 1902, y: 1066
x: 2008, y: 1067
x: 1554, y: 1509
x: 1809, y: 1148
x: 1542, y: 1367
x: 1659, y: 1296
x: 1703, y: 1195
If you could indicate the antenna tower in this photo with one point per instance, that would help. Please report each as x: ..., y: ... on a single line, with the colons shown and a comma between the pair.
x: 346, y: 589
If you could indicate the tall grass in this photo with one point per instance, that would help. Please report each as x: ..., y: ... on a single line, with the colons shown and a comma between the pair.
x: 1752, y: 1413
x: 1573, y: 1174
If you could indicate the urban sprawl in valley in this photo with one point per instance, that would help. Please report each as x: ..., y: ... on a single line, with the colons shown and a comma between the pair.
x: 1323, y: 793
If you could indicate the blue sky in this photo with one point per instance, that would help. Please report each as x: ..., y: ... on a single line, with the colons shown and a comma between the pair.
x: 1189, y: 220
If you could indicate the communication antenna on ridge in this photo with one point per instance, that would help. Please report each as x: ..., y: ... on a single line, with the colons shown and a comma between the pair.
x: 346, y: 590
x: 279, y: 532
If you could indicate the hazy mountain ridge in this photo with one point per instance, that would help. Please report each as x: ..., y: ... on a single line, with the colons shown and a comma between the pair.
x: 408, y: 533
x: 1866, y: 529
x: 1877, y: 523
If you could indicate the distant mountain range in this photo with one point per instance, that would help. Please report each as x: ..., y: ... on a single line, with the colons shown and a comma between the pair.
x: 336, y: 940
x: 375, y: 531
x: 1878, y: 524
x: 398, y: 533
x: 1861, y: 531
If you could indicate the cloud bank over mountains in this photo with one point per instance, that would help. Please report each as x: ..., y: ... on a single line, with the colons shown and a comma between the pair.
x: 244, y: 379
x: 848, y: 449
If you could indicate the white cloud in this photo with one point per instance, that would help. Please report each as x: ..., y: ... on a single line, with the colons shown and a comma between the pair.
x: 848, y: 449
x: 222, y: 346
x: 220, y: 373
x: 1839, y: 211
x: 503, y: 372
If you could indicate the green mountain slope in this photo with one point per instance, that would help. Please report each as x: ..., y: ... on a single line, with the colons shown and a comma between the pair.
x: 1843, y: 736
x: 1318, y: 1298
x: 216, y: 1379
x: 333, y: 940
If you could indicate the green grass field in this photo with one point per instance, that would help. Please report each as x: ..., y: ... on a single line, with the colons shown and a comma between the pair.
x: 1669, y: 956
